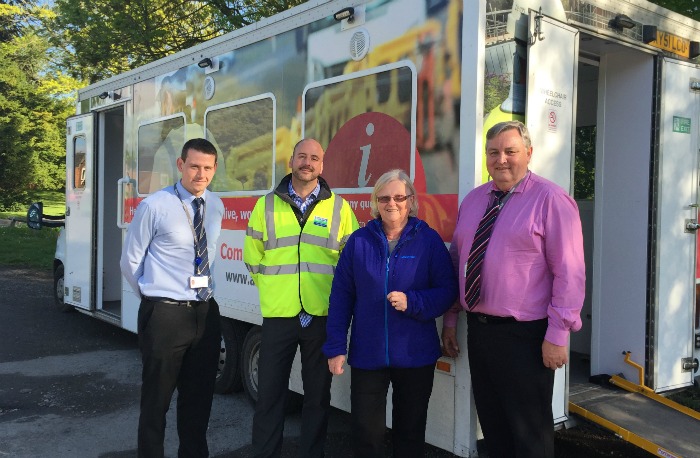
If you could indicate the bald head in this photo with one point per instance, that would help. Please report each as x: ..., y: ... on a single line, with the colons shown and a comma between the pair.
x: 306, y: 163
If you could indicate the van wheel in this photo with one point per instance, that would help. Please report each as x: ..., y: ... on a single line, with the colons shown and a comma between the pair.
x: 249, y: 372
x: 249, y: 360
x: 58, y: 294
x: 228, y: 375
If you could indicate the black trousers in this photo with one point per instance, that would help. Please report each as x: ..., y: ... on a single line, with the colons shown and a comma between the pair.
x: 280, y: 338
x: 512, y: 388
x: 411, y: 393
x: 179, y: 349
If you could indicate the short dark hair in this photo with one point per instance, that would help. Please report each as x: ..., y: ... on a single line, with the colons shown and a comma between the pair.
x: 198, y: 144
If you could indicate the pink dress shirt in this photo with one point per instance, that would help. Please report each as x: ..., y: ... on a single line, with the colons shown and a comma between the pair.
x: 534, y: 266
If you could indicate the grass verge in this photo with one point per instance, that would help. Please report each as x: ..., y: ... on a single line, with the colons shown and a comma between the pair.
x: 54, y: 204
x: 26, y: 247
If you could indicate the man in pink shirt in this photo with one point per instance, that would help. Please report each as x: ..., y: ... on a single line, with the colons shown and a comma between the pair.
x: 524, y: 284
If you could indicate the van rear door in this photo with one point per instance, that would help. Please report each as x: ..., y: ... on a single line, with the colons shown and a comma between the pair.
x: 552, y: 68
x: 80, y: 201
x: 673, y: 298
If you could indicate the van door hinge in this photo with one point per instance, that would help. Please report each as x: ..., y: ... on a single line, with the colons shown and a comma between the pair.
x: 537, y: 33
x: 689, y: 364
x: 691, y: 225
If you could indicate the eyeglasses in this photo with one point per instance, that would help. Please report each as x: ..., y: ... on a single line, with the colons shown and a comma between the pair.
x: 397, y: 199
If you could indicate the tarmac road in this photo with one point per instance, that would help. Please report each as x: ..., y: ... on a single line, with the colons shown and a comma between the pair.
x: 69, y: 387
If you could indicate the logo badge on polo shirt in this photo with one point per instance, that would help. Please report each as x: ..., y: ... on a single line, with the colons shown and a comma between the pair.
x: 318, y: 221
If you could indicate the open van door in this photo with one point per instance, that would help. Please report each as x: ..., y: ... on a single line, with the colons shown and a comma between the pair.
x: 80, y: 199
x: 671, y: 324
x: 552, y: 63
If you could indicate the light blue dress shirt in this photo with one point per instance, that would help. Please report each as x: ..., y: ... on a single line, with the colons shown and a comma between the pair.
x: 158, y: 252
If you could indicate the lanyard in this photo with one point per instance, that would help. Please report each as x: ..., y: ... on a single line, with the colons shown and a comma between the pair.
x: 505, y: 198
x: 198, y: 258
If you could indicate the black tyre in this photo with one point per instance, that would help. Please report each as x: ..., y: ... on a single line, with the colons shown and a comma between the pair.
x: 228, y: 376
x: 249, y: 371
x: 249, y: 362
x: 58, y: 293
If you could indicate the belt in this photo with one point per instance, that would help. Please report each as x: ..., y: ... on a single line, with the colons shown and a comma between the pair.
x: 166, y: 300
x: 490, y: 319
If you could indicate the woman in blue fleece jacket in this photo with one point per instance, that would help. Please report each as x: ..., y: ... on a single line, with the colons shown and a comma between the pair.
x: 394, y: 277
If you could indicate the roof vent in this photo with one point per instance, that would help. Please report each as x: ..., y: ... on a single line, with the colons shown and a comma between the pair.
x: 359, y: 44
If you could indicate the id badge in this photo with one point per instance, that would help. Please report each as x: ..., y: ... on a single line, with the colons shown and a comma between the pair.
x: 199, y: 281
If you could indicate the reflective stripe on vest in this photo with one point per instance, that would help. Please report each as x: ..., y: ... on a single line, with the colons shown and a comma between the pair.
x: 332, y: 242
x: 257, y: 235
x: 288, y: 269
x: 270, y: 221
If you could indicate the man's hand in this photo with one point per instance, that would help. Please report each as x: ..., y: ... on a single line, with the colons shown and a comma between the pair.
x: 335, y: 364
x: 553, y: 356
x: 449, y: 341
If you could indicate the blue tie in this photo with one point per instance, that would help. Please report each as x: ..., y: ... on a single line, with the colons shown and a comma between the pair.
x: 201, y: 256
x: 304, y: 319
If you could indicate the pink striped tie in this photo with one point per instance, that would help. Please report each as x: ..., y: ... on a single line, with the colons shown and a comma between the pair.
x: 472, y: 282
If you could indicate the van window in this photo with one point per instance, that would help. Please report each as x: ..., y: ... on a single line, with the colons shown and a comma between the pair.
x: 329, y: 106
x: 159, y: 145
x: 244, y: 134
x: 366, y: 122
x: 79, y: 151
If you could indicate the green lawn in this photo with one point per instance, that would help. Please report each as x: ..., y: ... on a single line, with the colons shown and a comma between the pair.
x: 54, y: 204
x: 27, y: 247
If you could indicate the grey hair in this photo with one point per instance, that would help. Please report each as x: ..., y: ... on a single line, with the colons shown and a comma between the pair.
x: 385, y: 179
x: 509, y: 125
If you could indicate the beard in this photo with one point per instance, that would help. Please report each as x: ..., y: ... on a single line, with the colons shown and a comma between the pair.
x: 306, y: 176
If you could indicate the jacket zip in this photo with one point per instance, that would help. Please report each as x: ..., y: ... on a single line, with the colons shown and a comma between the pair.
x: 403, y: 239
x: 386, y: 306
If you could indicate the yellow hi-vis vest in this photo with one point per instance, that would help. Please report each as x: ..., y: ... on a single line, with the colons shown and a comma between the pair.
x: 293, y: 267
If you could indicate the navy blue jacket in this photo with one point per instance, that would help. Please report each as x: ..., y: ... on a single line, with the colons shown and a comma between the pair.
x: 420, y: 267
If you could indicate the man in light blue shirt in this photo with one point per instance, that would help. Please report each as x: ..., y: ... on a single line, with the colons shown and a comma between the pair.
x: 166, y: 259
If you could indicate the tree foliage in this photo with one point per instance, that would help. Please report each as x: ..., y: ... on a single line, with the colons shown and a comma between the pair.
x: 689, y: 8
x: 584, y: 165
x: 107, y: 37
x: 33, y: 108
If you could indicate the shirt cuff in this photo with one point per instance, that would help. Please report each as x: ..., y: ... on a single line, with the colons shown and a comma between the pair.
x: 449, y: 319
x: 557, y: 336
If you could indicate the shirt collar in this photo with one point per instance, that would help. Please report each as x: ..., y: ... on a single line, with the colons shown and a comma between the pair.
x: 186, y: 195
x: 315, y: 192
x: 519, y: 186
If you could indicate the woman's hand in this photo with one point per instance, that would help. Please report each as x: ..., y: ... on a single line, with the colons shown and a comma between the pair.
x: 398, y: 300
x: 335, y: 364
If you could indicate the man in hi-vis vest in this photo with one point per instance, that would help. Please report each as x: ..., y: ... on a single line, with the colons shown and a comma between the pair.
x: 292, y: 246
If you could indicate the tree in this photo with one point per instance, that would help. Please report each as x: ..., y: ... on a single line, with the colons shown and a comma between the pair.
x: 9, y: 28
x: 33, y: 107
x: 689, y: 8
x: 108, y: 37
